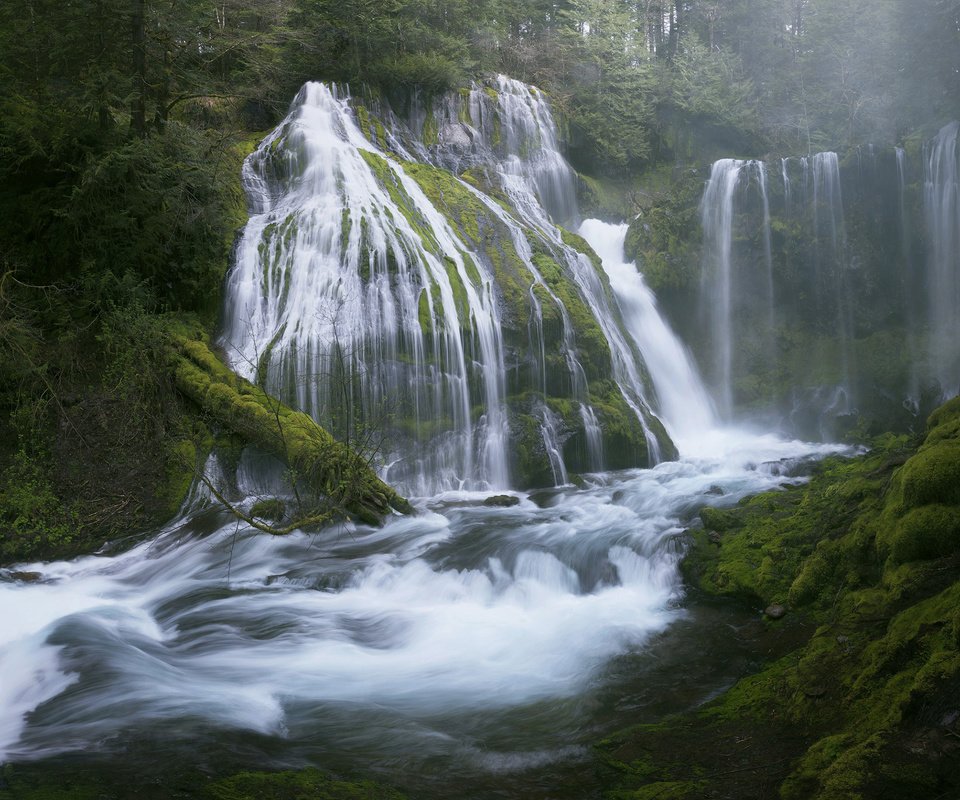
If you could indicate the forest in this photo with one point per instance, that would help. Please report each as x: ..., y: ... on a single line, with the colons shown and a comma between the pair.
x: 431, y: 398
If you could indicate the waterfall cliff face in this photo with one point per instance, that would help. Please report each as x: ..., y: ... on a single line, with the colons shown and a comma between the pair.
x: 403, y: 280
x: 828, y: 285
x: 942, y: 205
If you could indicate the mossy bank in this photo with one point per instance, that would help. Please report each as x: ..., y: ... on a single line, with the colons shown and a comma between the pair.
x: 868, y: 555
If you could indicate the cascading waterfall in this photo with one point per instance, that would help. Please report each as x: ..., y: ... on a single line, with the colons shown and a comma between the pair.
x: 355, y: 298
x: 941, y: 190
x: 514, y: 122
x: 683, y: 402
x: 325, y: 297
x: 468, y: 643
x: 725, y: 279
x: 831, y: 261
x: 744, y: 304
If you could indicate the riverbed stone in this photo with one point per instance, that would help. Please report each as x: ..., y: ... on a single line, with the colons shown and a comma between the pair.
x: 502, y: 500
x: 775, y: 611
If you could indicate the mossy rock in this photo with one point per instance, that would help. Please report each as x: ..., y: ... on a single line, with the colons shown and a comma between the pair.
x: 858, y: 709
x: 932, y: 531
x: 720, y: 520
x: 328, y: 468
x: 932, y: 476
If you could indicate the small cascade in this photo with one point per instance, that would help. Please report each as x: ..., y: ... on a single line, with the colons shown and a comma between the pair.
x: 730, y: 279
x: 551, y: 442
x: 908, y: 282
x: 683, y: 402
x: 942, y: 205
x: 751, y: 296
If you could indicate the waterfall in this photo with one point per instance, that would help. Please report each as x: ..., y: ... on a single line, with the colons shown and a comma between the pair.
x: 363, y: 297
x: 684, y: 404
x: 831, y: 261
x: 725, y: 277
x: 941, y: 187
x: 331, y: 282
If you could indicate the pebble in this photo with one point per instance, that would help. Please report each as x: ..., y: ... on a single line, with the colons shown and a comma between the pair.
x: 775, y: 611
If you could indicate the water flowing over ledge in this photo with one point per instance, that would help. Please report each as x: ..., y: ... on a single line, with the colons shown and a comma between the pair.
x: 828, y: 285
x: 445, y: 315
x: 373, y: 285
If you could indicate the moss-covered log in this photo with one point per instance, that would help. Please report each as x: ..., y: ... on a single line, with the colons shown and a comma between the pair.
x: 326, y: 467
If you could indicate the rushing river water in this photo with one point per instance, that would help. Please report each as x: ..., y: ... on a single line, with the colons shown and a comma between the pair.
x: 470, y: 650
x: 467, y: 643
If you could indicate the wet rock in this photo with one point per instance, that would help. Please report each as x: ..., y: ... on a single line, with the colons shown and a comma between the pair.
x: 545, y: 498
x: 715, y: 490
x: 502, y: 500
x: 713, y: 537
x: 775, y: 611
x: 26, y: 577
x: 456, y: 136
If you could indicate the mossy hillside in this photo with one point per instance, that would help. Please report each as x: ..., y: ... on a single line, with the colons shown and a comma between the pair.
x: 866, y: 708
x: 310, y: 784
x: 329, y: 468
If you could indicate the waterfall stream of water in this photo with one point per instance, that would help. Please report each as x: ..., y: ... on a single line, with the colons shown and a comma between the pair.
x: 468, y: 643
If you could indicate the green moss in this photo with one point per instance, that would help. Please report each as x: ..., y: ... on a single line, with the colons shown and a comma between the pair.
x: 327, y: 467
x: 579, y: 244
x: 272, y: 508
x: 459, y: 291
x: 717, y: 519
x: 398, y: 194
x: 590, y: 337
x: 183, y: 460
x: 932, y: 531
x: 363, y: 120
x: 310, y: 784
x: 878, y: 573
x: 424, y: 314
x: 429, y: 135
x: 664, y: 790
x: 948, y: 412
x: 457, y: 203
x: 933, y: 476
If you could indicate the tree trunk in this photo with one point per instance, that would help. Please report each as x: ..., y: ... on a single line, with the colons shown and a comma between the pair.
x: 326, y: 467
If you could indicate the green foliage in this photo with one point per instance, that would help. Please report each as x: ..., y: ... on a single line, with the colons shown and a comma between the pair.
x: 842, y: 713
x: 709, y: 87
x: 663, y: 238
x: 310, y: 784
x: 35, y: 520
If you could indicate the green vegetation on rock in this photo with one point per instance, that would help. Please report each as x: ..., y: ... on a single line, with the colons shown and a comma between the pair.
x: 868, y: 553
x: 333, y: 472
